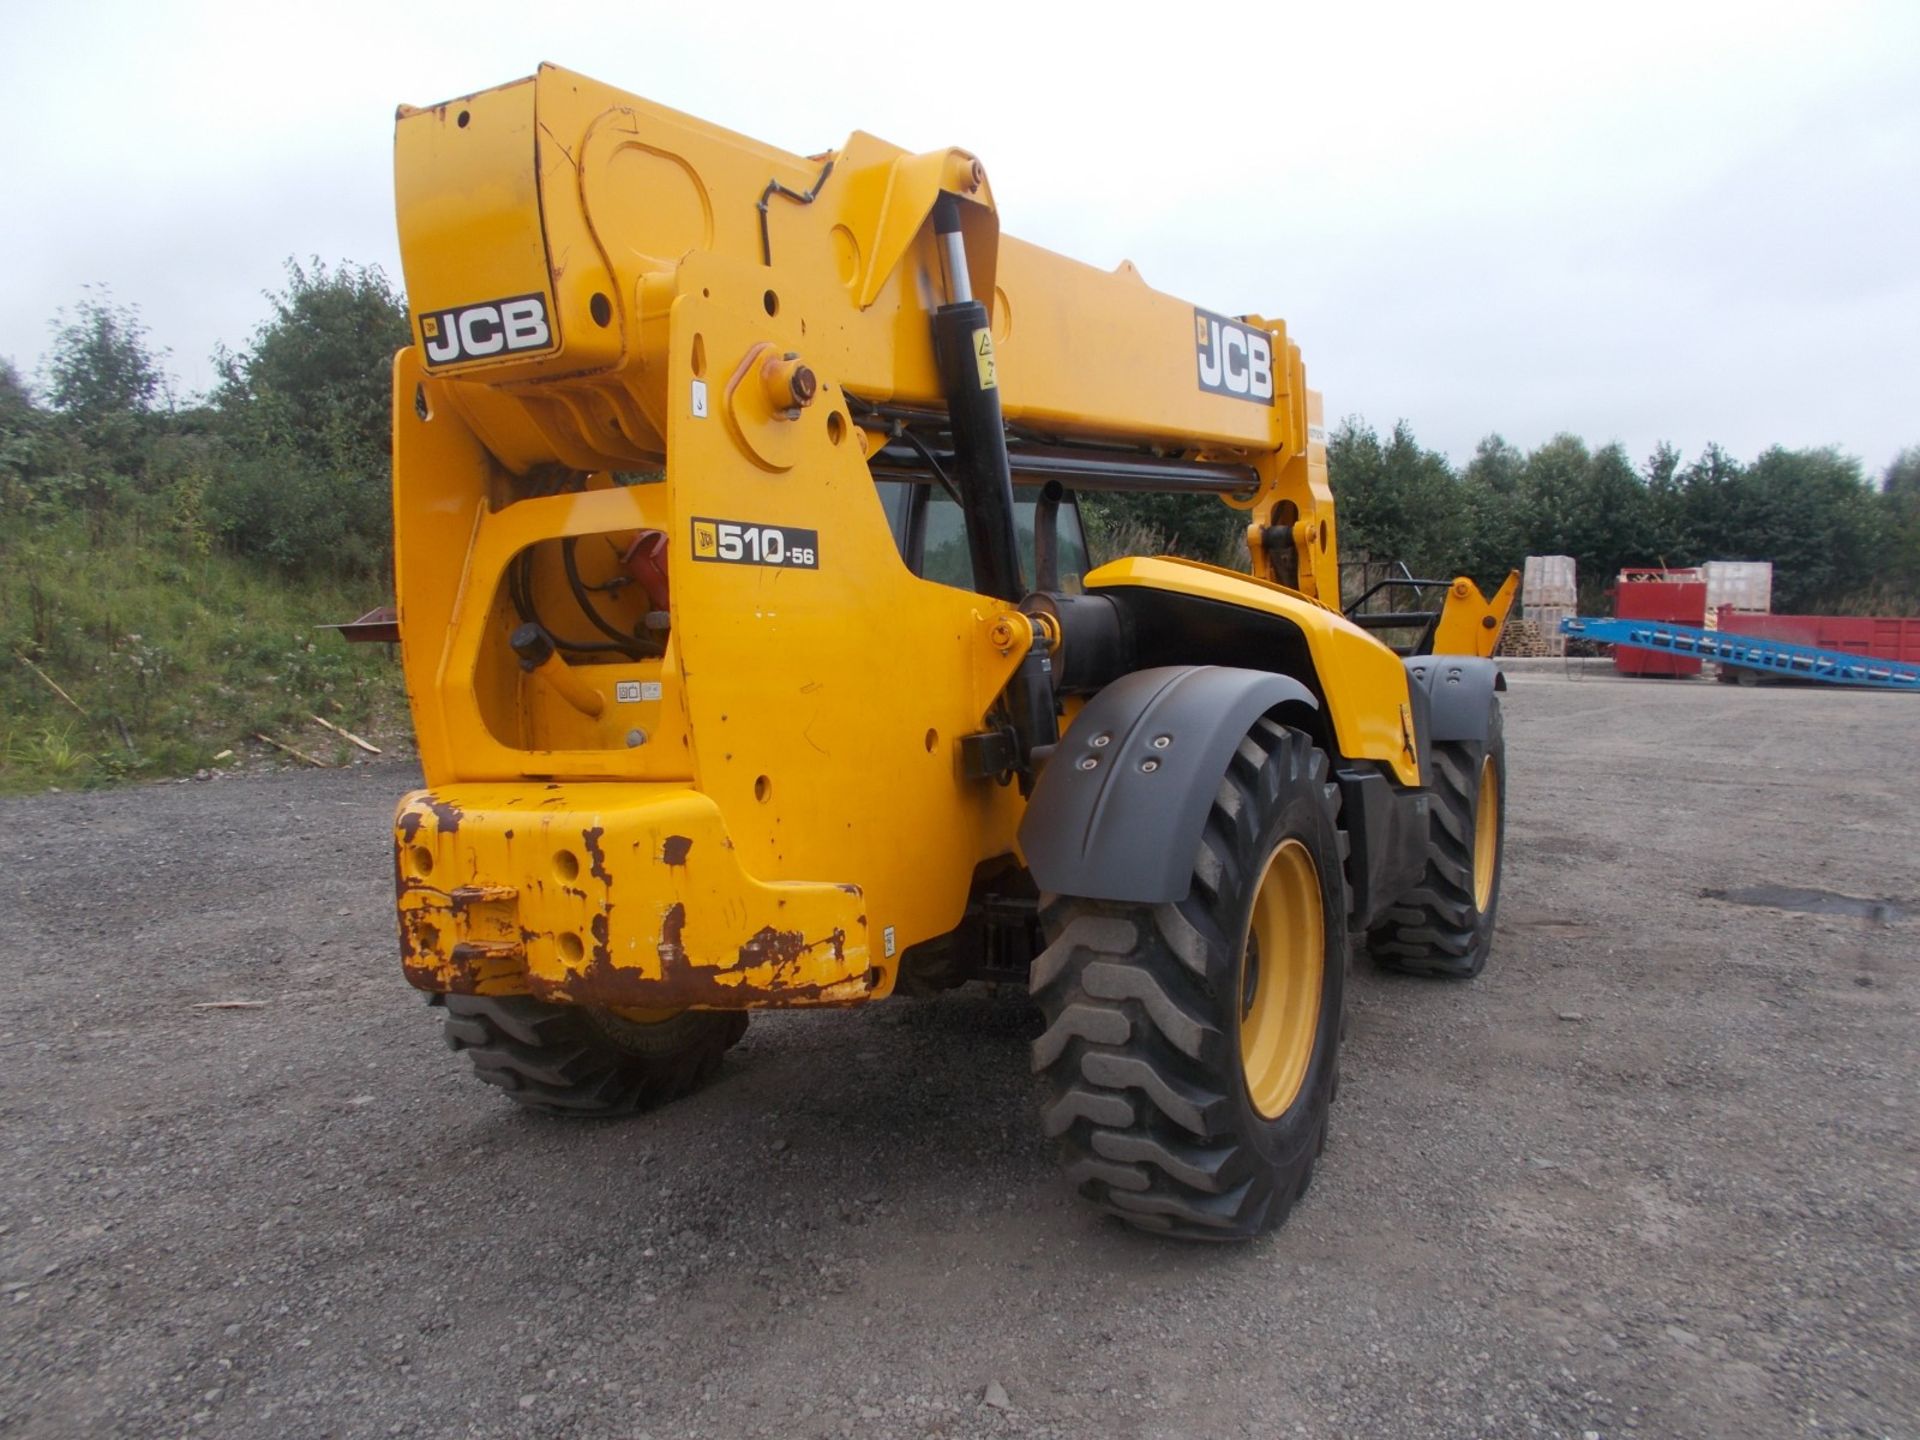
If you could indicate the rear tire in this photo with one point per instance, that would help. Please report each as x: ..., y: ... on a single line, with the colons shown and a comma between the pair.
x: 580, y: 1061
x: 1444, y: 925
x: 1190, y: 1068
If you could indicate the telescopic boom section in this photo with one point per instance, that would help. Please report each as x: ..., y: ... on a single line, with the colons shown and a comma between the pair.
x: 546, y: 239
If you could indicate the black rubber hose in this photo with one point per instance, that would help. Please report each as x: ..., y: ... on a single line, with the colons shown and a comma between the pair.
x: 520, y: 592
x: 585, y: 600
x: 932, y: 464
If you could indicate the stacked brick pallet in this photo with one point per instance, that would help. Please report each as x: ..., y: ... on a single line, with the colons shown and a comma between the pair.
x: 1548, y: 595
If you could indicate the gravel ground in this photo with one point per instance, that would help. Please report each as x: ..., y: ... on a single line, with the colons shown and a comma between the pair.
x: 1653, y: 1174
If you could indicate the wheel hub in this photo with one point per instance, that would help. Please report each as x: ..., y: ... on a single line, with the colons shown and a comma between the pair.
x: 1281, y: 973
x: 1486, y: 836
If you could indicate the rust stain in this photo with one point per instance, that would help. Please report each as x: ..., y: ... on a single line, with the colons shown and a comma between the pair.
x: 674, y: 852
x: 672, y: 953
x: 784, y: 949
x: 446, y: 815
x: 591, y: 839
x: 688, y: 989
x: 472, y: 951
x: 680, y: 983
x: 410, y: 825
x: 464, y: 897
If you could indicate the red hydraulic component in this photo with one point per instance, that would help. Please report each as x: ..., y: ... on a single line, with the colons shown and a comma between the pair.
x: 646, y: 561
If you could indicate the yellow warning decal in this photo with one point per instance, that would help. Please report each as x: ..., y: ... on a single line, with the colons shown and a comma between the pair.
x: 983, y: 357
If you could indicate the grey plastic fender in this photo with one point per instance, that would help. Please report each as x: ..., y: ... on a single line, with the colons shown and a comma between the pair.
x: 1459, y: 691
x: 1118, y: 810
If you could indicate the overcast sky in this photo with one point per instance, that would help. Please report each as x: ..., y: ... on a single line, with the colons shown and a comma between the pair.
x: 1679, y: 221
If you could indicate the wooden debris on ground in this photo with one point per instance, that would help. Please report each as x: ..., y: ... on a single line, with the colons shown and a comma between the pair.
x: 297, y: 754
x: 345, y: 734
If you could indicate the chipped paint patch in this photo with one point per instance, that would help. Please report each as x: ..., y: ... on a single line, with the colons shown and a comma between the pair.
x: 590, y: 838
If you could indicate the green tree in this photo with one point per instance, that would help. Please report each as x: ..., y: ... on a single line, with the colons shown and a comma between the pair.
x: 1197, y: 526
x: 1397, y: 500
x: 1711, y: 490
x: 20, y: 442
x: 102, y: 366
x: 107, y: 386
x: 1666, y: 518
x: 1814, y: 515
x: 1608, y: 519
x: 1902, y: 478
x: 16, y: 400
x: 1900, y: 503
x: 1551, y: 482
x: 1494, y: 516
x: 305, y: 413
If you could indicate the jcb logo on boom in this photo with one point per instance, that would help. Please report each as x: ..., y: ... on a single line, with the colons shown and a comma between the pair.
x: 498, y: 327
x: 1233, y: 359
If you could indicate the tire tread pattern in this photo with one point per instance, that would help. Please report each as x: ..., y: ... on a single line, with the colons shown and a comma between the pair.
x: 1135, y: 1064
x: 1435, y: 928
x: 555, y: 1059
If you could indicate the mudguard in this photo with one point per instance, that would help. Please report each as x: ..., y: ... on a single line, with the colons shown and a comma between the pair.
x: 1459, y: 690
x: 1118, y: 810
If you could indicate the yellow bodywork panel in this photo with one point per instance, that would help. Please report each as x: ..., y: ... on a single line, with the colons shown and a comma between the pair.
x: 597, y: 893
x: 611, y: 302
x: 765, y: 708
x: 1471, y: 624
x: 1365, y: 682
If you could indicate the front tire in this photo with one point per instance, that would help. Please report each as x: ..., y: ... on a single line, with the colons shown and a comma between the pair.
x: 579, y: 1061
x: 1191, y: 1048
x: 1444, y: 925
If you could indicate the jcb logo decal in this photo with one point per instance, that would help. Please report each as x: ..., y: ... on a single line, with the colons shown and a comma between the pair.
x: 498, y: 327
x: 1233, y: 359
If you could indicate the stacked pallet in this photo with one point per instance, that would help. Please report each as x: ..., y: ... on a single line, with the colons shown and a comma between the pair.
x: 1548, y: 594
x: 1523, y: 639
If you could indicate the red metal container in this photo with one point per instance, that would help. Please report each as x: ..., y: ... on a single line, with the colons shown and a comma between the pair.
x: 1677, y: 596
x: 1885, y: 637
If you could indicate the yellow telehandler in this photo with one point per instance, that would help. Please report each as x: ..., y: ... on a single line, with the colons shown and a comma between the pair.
x: 756, y: 658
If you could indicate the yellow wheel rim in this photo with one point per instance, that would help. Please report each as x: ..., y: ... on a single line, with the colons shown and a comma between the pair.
x: 1280, y: 976
x: 1486, y: 836
x: 639, y: 1016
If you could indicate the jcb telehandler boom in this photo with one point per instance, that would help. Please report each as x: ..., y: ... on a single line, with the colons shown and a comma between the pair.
x: 755, y: 657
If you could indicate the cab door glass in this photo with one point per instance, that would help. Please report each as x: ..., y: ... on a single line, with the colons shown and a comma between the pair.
x: 944, y: 553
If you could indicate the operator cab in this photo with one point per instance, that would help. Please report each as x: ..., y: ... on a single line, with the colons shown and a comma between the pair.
x: 931, y: 532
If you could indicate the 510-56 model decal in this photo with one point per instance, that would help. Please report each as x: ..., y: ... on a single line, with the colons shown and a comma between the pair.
x: 736, y: 542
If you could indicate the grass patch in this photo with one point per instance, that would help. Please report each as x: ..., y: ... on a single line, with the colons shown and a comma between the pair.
x: 172, y: 657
